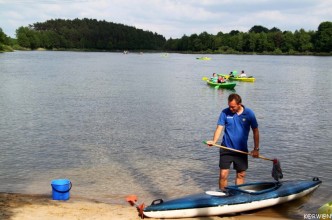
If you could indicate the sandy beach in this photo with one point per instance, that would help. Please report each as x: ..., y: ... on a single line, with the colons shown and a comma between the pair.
x: 21, y: 206
x: 40, y: 207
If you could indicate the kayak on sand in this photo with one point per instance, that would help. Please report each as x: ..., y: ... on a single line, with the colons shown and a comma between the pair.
x: 234, y: 199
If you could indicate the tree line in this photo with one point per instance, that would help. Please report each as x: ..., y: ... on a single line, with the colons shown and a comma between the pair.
x: 6, y: 42
x: 91, y: 34
x: 258, y: 39
x: 88, y: 34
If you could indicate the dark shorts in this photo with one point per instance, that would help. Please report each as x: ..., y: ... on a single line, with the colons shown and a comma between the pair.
x: 240, y: 161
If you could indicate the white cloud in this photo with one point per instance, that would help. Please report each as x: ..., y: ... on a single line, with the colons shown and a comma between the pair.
x: 172, y: 18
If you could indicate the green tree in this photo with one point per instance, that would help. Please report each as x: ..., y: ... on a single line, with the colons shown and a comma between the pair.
x: 172, y: 44
x: 234, y: 32
x: 258, y: 29
x: 252, y: 43
x: 88, y: 34
x: 207, y: 41
x: 234, y: 41
x: 22, y: 37
x: 261, y: 42
x: 288, y: 42
x: 277, y: 38
x: 274, y: 29
x: 2, y: 37
x: 323, y: 37
x: 240, y: 42
x: 218, y: 40
x: 303, y: 41
x: 183, y: 43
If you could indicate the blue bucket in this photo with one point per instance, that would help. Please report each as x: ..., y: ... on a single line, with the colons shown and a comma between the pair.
x: 60, y: 189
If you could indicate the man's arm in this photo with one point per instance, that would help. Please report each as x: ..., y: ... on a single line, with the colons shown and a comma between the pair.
x: 216, y: 135
x: 255, y: 152
x: 256, y: 137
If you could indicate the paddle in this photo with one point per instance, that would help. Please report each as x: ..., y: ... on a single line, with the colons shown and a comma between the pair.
x: 276, y: 169
x: 132, y: 199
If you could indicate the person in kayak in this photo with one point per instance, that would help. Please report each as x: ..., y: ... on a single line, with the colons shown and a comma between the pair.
x: 236, y: 120
x: 221, y: 79
x: 243, y: 74
x: 214, y: 78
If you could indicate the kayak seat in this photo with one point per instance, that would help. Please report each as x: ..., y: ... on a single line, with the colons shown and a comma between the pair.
x: 255, y: 188
x: 216, y: 193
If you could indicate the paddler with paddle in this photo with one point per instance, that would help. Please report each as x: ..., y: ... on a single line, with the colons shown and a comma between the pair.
x: 236, y: 121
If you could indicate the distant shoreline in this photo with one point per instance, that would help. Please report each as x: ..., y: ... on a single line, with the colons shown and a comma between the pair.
x: 180, y: 52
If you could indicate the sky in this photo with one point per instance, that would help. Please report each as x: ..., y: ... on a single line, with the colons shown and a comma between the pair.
x: 172, y: 18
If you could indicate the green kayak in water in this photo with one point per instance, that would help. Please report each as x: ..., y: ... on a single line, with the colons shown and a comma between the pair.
x: 225, y: 85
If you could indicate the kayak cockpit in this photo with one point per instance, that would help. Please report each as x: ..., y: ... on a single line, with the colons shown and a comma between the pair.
x: 254, y: 188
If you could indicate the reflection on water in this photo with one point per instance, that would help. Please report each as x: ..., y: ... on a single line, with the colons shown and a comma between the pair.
x: 119, y: 124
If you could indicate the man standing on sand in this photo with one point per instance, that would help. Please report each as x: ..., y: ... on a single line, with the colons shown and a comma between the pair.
x: 237, y: 121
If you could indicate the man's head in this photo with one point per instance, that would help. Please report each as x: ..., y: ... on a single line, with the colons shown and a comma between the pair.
x: 234, y: 102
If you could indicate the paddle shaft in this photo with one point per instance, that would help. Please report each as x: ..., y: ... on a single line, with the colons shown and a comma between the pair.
x: 238, y: 151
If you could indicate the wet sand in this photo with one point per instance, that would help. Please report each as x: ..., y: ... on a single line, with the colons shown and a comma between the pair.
x: 40, y: 207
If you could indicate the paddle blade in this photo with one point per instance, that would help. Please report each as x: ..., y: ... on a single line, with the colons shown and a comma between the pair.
x: 205, y: 78
x: 276, y: 170
x: 216, y: 87
x: 132, y: 199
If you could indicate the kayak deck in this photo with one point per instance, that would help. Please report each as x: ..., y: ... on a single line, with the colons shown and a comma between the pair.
x: 225, y: 85
x: 243, y: 79
x: 235, y: 199
x: 238, y: 78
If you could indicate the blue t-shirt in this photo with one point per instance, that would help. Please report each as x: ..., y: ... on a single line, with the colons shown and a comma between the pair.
x: 237, y: 128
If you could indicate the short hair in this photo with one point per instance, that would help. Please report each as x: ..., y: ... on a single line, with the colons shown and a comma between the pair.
x: 235, y: 97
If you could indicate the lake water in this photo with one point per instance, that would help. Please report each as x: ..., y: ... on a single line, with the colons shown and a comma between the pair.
x: 118, y: 124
